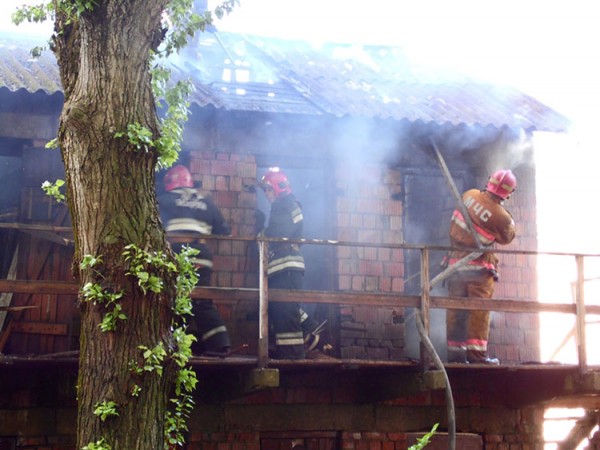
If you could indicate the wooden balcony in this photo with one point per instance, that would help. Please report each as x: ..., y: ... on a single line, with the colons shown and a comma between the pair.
x: 563, y: 384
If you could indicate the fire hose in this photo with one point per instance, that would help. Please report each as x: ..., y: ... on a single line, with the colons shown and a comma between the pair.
x: 440, y: 366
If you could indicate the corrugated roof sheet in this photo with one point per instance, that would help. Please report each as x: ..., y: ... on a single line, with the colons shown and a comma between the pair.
x: 250, y: 73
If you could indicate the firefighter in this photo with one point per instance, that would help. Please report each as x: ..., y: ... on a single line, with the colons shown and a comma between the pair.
x: 188, y: 215
x: 290, y: 324
x: 467, y: 331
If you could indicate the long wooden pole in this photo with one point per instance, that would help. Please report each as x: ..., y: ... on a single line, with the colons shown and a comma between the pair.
x: 425, y: 292
x: 580, y: 315
x: 263, y: 305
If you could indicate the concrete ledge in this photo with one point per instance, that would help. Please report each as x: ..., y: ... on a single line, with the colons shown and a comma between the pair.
x: 257, y: 379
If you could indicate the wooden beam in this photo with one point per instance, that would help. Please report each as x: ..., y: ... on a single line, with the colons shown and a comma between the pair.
x: 325, y: 297
x: 17, y: 308
x: 35, y: 227
x: 38, y: 287
x: 52, y: 237
x: 580, y: 316
x: 580, y: 431
x: 55, y: 329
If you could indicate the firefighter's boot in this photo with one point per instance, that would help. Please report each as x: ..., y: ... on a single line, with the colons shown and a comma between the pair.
x: 457, y: 355
x: 481, y: 357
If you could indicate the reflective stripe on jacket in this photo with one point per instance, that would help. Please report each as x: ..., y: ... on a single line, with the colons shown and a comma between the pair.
x: 188, y: 211
x: 285, y: 221
x: 492, y: 223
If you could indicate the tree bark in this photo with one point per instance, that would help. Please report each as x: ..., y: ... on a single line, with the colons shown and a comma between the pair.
x: 103, y: 56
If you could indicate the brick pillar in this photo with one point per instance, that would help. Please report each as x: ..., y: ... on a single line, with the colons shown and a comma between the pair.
x: 366, y: 213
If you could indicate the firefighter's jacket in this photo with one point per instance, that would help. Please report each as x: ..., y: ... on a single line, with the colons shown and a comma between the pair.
x: 187, y: 211
x: 492, y: 223
x: 285, y: 220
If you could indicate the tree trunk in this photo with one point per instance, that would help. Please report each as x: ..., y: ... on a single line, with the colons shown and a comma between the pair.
x: 103, y: 56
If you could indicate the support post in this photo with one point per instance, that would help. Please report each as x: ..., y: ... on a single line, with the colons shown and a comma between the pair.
x: 425, y: 289
x: 263, y: 305
x: 580, y: 315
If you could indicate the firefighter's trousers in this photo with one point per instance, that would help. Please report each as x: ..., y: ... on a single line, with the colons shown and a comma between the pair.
x: 207, y: 325
x: 284, y: 318
x: 469, y: 329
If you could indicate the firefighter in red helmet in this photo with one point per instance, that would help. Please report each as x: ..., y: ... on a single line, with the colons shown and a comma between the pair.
x: 188, y: 215
x: 295, y: 331
x: 467, y: 331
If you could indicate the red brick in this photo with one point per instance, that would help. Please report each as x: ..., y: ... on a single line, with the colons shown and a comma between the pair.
x: 201, y: 167
x: 347, y: 234
x: 375, y: 445
x: 362, y: 445
x: 226, y: 199
x: 227, y: 168
x: 372, y: 222
x: 358, y: 283
x: 397, y: 285
x: 223, y: 446
x: 373, y: 435
x: 385, y: 284
x: 492, y: 438
x: 208, y: 182
x: 371, y: 268
x: 353, y: 436
x: 221, y: 184
x: 394, y: 269
x: 348, y: 445
x: 356, y: 220
x: 397, y: 437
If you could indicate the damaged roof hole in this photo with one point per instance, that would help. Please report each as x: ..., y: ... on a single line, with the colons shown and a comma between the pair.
x: 239, y: 75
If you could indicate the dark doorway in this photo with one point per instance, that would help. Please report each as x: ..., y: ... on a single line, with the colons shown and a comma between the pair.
x: 428, y: 206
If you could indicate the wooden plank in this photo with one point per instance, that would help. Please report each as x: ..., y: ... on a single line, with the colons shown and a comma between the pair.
x: 17, y: 308
x: 39, y: 287
x: 263, y: 303
x: 6, y: 297
x: 40, y: 259
x: 54, y: 329
x: 35, y: 226
x: 52, y: 237
x: 580, y: 317
x: 423, y: 314
x: 327, y: 297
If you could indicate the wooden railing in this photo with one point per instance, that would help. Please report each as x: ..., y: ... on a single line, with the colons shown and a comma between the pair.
x: 424, y: 302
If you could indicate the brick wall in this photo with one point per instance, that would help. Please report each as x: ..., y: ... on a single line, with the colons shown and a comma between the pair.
x: 226, y: 176
x: 514, y: 337
x: 366, y: 213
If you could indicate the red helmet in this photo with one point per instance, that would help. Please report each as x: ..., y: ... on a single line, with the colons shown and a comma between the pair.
x: 177, y: 177
x: 502, y: 183
x: 277, y: 180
